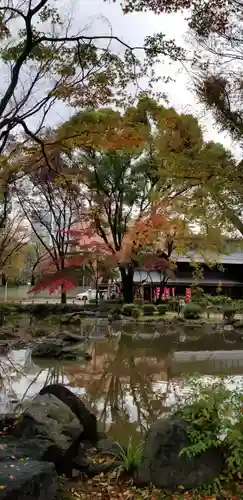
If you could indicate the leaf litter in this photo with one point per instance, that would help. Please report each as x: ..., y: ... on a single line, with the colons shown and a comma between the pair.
x: 103, y: 487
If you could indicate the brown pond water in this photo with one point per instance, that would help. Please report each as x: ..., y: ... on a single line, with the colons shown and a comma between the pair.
x: 132, y: 379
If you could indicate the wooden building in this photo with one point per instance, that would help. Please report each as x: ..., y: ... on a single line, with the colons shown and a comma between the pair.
x: 226, y: 273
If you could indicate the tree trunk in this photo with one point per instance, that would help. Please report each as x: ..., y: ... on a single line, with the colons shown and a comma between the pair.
x: 96, y: 296
x: 63, y: 295
x: 4, y: 279
x: 127, y: 283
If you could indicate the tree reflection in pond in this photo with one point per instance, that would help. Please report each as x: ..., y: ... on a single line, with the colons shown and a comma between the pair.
x: 12, y: 371
x: 120, y: 383
x: 126, y: 384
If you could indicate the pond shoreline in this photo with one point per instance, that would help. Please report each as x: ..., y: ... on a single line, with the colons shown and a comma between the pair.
x: 53, y: 330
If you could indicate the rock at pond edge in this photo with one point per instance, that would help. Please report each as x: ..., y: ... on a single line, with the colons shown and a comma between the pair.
x: 59, y: 349
x: 52, y: 429
x: 30, y: 480
x: 162, y: 466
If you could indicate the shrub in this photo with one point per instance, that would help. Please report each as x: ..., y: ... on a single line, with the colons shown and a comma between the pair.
x: 214, y: 418
x: 112, y: 302
x: 94, y: 301
x: 7, y: 309
x: 43, y: 310
x: 138, y: 302
x: 162, y: 309
x: 173, y: 305
x: 203, y: 302
x: 192, y: 311
x: 229, y: 311
x: 149, y: 309
x: 218, y: 299
x: 239, y: 305
x: 127, y: 309
x: 212, y: 309
x: 115, y: 314
x: 136, y: 313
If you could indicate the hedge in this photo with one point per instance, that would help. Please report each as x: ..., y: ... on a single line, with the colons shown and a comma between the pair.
x: 43, y: 310
x: 128, y: 309
x: 149, y: 309
x: 162, y: 309
x: 138, y: 302
x: 192, y: 311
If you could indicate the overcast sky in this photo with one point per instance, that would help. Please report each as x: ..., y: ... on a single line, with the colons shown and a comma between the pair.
x: 98, y: 17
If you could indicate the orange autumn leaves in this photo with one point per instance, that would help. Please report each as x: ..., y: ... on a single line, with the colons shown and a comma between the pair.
x: 105, y: 129
x: 144, y: 231
x: 147, y: 238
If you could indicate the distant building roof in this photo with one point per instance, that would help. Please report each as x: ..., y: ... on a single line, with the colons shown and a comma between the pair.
x: 231, y: 258
x: 154, y: 278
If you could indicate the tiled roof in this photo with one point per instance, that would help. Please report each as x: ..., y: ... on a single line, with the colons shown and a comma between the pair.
x: 154, y: 277
x: 233, y: 258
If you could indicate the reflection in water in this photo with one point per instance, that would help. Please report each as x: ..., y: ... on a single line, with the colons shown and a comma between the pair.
x: 20, y: 378
x: 130, y: 381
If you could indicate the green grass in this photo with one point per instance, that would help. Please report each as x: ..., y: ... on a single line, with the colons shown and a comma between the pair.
x: 127, y: 460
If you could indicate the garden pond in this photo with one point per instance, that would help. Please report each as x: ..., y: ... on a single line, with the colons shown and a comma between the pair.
x: 135, y: 374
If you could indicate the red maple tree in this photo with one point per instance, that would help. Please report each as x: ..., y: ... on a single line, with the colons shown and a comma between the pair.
x: 141, y: 248
x: 86, y: 250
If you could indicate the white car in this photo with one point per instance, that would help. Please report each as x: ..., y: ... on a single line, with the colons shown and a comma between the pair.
x: 89, y: 294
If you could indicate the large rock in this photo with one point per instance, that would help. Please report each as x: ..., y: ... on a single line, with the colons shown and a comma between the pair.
x: 56, y: 427
x: 50, y: 426
x: 76, y: 405
x: 18, y: 449
x: 25, y: 480
x: 48, y: 417
x: 162, y: 466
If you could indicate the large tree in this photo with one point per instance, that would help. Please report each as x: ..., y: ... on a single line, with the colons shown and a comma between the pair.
x: 145, y: 175
x: 138, y: 169
x: 216, y: 29
x: 112, y: 154
x: 52, y: 205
